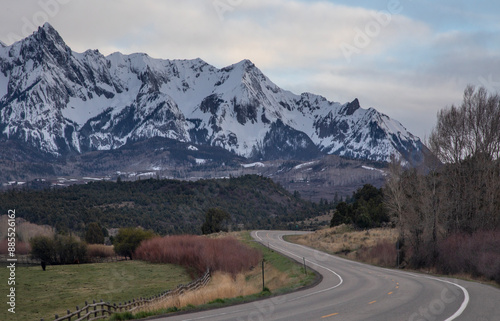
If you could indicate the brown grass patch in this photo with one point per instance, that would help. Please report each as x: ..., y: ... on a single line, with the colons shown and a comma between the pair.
x: 374, y: 246
x: 100, y: 251
x: 384, y: 253
x: 343, y: 239
x: 224, y: 286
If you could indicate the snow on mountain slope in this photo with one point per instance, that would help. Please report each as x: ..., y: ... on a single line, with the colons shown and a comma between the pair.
x: 60, y: 101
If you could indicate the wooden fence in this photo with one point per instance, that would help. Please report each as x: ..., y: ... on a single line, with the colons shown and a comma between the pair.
x: 102, y: 310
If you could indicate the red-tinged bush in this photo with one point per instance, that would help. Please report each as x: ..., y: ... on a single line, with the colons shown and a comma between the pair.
x: 477, y: 254
x: 384, y: 253
x: 199, y: 253
x: 21, y: 248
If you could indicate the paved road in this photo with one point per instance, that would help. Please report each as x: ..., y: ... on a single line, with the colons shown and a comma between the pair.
x: 354, y: 291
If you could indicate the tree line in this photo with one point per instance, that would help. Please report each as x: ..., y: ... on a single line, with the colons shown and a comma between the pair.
x: 162, y: 205
x: 458, y: 196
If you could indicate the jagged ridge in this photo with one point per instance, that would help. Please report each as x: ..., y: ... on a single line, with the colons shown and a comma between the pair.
x: 63, y: 102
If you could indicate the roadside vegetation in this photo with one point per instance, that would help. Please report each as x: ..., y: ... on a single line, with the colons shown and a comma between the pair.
x: 449, y: 216
x: 374, y: 246
x: 446, y: 215
x: 198, y: 253
x: 282, y: 275
x: 234, y: 259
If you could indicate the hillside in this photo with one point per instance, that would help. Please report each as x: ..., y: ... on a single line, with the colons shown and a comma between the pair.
x: 165, y: 206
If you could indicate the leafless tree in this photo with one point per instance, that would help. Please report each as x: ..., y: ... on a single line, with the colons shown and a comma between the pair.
x: 468, y: 130
x: 463, y: 193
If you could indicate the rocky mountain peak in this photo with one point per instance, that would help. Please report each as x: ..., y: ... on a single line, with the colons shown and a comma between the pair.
x: 61, y: 102
x: 351, y: 107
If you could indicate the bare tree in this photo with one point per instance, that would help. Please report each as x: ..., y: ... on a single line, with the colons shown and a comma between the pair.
x: 470, y: 129
x: 462, y: 194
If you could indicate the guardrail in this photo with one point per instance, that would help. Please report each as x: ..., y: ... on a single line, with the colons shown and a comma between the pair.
x: 102, y: 310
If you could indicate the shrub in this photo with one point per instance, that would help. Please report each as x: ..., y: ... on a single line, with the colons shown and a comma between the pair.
x: 213, y: 221
x: 128, y: 239
x: 21, y: 247
x: 477, y: 254
x: 94, y: 234
x: 58, y: 250
x: 197, y: 252
x: 43, y: 248
x: 384, y: 253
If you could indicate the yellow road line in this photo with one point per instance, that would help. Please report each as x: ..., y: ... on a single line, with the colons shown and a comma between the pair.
x: 372, y: 302
x: 389, y: 293
x: 327, y: 316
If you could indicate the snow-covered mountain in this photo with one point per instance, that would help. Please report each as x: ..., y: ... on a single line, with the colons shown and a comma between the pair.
x: 62, y: 102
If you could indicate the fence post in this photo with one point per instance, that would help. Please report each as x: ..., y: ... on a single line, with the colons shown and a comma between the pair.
x: 78, y: 312
x: 263, y: 283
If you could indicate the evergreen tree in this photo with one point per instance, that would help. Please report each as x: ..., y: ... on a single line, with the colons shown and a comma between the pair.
x: 213, y: 221
x: 94, y: 234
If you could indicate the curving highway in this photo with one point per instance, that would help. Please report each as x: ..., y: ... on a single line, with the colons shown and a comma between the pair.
x: 355, y: 291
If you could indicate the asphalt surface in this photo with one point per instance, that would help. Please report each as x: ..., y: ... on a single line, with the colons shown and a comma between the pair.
x: 355, y: 291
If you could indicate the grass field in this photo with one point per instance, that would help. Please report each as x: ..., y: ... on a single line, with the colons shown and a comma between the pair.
x: 42, y: 294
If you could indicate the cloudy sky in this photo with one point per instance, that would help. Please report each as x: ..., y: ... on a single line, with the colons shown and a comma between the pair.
x: 406, y: 58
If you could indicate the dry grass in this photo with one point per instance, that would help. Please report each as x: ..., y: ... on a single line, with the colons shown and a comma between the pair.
x: 224, y: 286
x: 384, y: 253
x: 100, y: 250
x: 344, y: 240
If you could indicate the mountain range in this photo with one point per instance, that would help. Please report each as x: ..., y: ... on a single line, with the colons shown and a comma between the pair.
x: 58, y: 102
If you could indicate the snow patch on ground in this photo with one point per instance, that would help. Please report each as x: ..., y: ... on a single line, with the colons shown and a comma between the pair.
x: 256, y: 164
x: 374, y: 169
x: 305, y: 165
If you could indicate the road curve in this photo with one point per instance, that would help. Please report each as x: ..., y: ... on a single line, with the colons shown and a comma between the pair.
x: 355, y: 291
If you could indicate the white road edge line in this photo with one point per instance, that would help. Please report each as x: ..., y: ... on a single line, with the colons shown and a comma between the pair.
x: 459, y: 312
x: 300, y: 257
